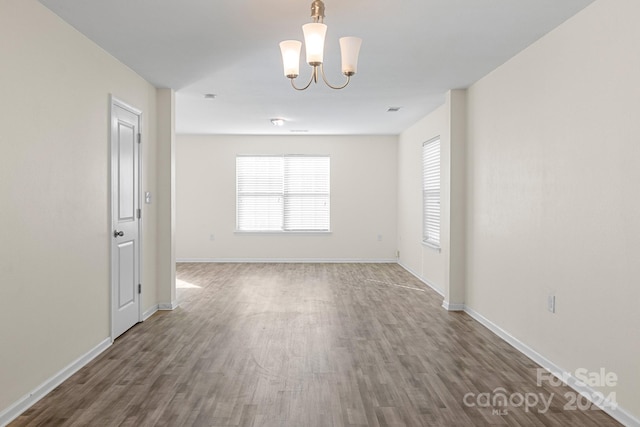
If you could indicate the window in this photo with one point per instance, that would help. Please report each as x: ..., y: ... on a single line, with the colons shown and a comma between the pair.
x: 282, y: 193
x: 431, y: 192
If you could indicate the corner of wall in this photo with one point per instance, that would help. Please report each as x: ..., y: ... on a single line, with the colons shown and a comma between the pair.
x: 166, y: 266
x: 455, y: 200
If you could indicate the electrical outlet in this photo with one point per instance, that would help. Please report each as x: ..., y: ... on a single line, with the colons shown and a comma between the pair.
x: 551, y: 303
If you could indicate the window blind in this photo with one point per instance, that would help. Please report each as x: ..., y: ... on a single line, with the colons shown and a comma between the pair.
x: 259, y: 193
x: 431, y: 192
x: 306, y: 193
x: 283, y: 193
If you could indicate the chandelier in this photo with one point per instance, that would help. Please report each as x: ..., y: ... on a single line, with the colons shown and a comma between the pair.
x: 314, y: 34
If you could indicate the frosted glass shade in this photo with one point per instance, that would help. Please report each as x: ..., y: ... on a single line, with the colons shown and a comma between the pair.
x: 314, y: 34
x: 290, y: 50
x: 349, y: 50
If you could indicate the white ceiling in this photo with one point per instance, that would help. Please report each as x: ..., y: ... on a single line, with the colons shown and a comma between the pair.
x: 413, y: 51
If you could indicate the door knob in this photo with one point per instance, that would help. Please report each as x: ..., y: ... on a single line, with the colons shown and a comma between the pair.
x: 118, y: 233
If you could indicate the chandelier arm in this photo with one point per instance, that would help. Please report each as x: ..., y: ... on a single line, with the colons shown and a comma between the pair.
x: 301, y: 88
x: 314, y: 79
x: 329, y: 84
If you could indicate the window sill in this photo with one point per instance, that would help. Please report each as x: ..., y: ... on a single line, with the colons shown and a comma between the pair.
x: 281, y: 233
x: 432, y: 246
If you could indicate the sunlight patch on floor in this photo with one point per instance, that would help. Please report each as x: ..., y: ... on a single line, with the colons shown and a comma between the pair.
x: 181, y: 284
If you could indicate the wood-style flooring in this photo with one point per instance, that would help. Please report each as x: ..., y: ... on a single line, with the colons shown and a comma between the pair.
x: 305, y: 345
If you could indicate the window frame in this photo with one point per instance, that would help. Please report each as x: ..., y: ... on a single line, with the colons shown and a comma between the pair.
x: 284, y: 195
x: 432, y: 194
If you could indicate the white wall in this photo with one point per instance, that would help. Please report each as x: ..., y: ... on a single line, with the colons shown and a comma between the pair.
x: 363, y: 202
x: 554, y: 205
x: 54, y: 201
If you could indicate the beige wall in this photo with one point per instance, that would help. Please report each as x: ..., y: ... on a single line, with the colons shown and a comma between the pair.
x: 165, y: 199
x: 554, y: 205
x: 443, y: 269
x: 551, y: 197
x: 423, y: 261
x: 363, y: 186
x: 54, y: 201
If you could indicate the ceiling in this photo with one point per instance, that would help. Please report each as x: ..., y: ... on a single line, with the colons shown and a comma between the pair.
x: 413, y: 51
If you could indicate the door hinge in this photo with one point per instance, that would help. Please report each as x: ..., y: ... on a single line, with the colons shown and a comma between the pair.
x: 139, y: 213
x: 139, y: 138
x: 139, y: 288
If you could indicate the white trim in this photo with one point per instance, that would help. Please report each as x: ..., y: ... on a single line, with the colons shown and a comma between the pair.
x: 292, y: 260
x: 24, y: 403
x: 284, y: 232
x: 446, y: 304
x: 124, y: 105
x: 433, y: 246
x: 149, y: 312
x: 168, y: 306
x: 425, y: 281
x: 432, y: 187
x: 452, y: 306
x: 614, y: 410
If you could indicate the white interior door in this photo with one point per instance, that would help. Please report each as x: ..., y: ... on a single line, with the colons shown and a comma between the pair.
x: 125, y: 204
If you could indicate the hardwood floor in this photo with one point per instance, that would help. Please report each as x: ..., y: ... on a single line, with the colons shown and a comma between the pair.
x: 306, y: 345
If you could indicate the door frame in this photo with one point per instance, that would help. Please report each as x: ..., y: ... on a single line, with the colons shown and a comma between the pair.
x: 115, y: 102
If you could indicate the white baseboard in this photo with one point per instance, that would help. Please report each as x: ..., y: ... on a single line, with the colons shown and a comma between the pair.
x: 446, y: 304
x: 452, y: 306
x: 168, y: 306
x: 24, y: 403
x: 291, y: 260
x: 149, y: 312
x: 417, y: 276
x: 611, y: 408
